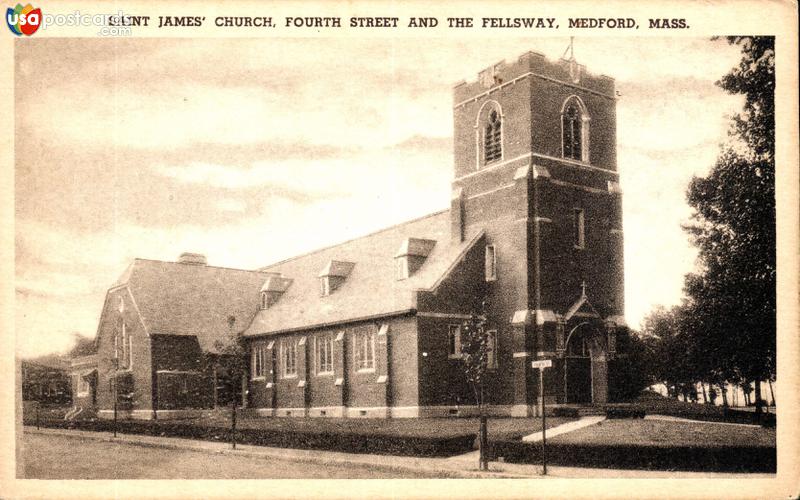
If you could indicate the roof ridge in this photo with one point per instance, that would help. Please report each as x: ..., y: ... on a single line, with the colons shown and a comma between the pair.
x: 321, y: 249
x: 258, y: 270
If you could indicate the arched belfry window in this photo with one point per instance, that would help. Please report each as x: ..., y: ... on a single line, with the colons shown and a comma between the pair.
x: 575, y: 130
x: 488, y: 134
x: 492, y: 137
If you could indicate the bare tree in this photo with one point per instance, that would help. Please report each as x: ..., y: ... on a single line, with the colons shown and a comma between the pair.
x: 475, y: 350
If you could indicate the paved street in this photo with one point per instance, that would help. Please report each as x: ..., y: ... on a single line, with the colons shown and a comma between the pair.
x: 63, y: 457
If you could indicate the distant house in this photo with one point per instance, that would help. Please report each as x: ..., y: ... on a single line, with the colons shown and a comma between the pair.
x: 371, y: 327
x: 46, y: 380
x: 83, y: 375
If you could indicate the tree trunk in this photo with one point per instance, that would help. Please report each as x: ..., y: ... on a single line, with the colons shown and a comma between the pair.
x: 724, y: 392
x: 233, y: 422
x: 483, y: 439
x: 771, y: 392
x: 757, y: 395
x: 705, y: 396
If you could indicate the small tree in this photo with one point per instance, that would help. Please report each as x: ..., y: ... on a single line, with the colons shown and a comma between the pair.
x: 475, y: 351
x: 232, y: 352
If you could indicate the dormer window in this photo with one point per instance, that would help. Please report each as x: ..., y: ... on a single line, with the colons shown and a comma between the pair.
x: 575, y: 130
x: 273, y: 289
x: 401, y: 268
x: 334, y: 275
x: 411, y: 255
x: 325, y: 286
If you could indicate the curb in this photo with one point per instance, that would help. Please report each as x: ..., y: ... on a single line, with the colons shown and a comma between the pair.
x: 433, y: 470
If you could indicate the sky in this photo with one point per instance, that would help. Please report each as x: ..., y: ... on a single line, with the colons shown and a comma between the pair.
x: 254, y: 150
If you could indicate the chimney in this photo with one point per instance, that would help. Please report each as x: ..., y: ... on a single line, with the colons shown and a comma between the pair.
x: 192, y: 259
x: 457, y: 215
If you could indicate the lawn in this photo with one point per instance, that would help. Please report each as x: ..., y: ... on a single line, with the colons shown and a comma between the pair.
x: 656, y: 404
x: 653, y: 445
x: 499, y: 428
x: 662, y: 433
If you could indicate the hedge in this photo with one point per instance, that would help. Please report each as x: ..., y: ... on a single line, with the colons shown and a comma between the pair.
x: 630, y: 456
x: 350, y: 442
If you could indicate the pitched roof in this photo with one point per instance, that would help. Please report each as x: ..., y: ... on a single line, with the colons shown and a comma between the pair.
x: 370, y: 289
x: 54, y: 361
x: 190, y: 299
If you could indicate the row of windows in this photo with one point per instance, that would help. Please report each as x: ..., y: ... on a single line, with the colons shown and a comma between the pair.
x: 574, y: 132
x: 363, y: 354
x: 454, y: 344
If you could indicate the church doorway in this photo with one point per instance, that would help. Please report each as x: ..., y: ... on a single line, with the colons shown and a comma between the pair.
x: 578, y: 367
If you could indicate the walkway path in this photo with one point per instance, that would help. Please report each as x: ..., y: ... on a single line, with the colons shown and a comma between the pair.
x: 679, y: 419
x: 564, y: 428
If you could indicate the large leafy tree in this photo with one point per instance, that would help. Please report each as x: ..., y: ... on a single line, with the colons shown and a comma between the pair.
x: 732, y: 296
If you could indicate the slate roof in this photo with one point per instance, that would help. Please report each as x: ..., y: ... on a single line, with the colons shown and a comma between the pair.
x: 371, y: 288
x: 185, y: 299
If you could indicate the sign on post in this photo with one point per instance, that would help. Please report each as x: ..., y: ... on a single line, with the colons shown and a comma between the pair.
x: 541, y: 365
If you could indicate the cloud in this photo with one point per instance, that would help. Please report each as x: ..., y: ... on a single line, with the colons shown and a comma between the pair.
x: 150, y: 149
x: 231, y: 205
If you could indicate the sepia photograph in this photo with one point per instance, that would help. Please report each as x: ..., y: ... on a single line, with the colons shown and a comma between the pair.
x: 301, y: 256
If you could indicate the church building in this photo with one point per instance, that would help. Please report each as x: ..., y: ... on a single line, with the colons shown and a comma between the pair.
x: 372, y: 327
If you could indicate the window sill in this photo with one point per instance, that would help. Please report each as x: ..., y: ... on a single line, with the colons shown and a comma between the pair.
x: 365, y: 370
x: 325, y: 374
x: 82, y: 394
x: 455, y: 356
x: 256, y: 379
x: 487, y: 164
x: 489, y: 279
x: 290, y: 376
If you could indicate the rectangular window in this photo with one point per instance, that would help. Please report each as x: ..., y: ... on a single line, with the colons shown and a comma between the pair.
x: 82, y: 385
x: 124, y: 361
x: 324, y: 354
x: 289, y: 357
x: 401, y: 268
x: 258, y: 361
x: 364, y: 348
x: 491, y: 263
x: 492, y: 348
x: 454, y: 341
x: 130, y: 351
x: 579, y: 230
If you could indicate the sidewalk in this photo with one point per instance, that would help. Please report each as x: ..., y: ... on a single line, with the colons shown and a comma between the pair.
x: 462, y: 466
x: 536, y: 437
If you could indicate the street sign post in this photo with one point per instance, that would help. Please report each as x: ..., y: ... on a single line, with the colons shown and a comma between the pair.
x: 541, y: 365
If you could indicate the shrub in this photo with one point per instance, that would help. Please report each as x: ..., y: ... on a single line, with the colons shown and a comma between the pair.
x: 631, y: 456
x: 339, y: 440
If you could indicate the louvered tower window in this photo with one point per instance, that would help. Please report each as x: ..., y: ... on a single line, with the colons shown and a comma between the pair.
x: 492, y: 146
x: 573, y: 132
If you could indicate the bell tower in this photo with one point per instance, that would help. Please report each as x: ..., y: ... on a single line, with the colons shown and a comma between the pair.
x: 535, y: 169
